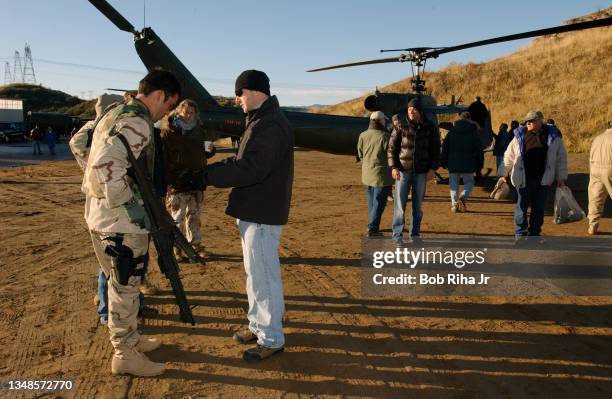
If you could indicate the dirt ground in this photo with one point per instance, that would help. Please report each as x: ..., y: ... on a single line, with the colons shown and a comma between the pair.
x: 339, y: 343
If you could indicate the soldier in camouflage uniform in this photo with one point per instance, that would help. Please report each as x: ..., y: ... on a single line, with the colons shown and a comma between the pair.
x: 183, y: 137
x: 116, y: 217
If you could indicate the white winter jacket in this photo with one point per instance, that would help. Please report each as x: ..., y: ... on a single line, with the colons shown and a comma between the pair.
x: 556, y: 158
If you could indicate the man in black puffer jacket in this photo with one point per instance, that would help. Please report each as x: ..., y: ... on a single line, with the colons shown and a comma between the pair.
x: 462, y: 155
x: 413, y: 156
x: 261, y: 176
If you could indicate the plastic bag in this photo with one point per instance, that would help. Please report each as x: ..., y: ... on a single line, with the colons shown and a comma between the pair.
x: 566, y: 208
x: 501, y: 191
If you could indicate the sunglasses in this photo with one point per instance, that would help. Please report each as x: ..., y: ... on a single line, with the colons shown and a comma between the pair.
x: 239, y: 93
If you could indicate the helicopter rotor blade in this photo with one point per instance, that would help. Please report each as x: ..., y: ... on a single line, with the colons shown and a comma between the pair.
x: 540, y: 32
x: 414, y: 49
x: 113, y: 15
x: 401, y: 58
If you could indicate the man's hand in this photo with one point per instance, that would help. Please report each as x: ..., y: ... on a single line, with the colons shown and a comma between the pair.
x: 503, y: 179
x: 560, y: 182
x: 137, y: 214
x: 199, y: 180
x: 395, y: 174
x: 430, y: 174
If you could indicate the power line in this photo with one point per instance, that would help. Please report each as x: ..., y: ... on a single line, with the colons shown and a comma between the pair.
x: 17, y: 69
x: 28, y: 66
x: 7, y: 73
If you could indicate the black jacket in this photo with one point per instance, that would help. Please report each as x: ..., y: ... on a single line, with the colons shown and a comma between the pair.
x: 262, y: 172
x: 414, y: 148
x: 462, y: 149
x: 502, y: 140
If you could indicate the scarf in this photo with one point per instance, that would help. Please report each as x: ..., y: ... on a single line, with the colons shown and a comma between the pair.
x: 178, y: 122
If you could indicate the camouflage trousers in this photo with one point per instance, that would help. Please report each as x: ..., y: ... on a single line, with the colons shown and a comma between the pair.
x: 123, y: 299
x: 186, y: 209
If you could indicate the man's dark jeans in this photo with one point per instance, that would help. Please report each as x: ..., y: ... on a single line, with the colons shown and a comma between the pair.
x: 533, y: 196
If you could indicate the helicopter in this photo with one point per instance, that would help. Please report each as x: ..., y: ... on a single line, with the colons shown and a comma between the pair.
x: 393, y: 103
x: 333, y: 134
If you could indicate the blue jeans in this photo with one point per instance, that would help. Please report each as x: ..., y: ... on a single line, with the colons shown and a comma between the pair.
x: 499, y: 159
x: 533, y: 196
x: 263, y: 283
x: 402, y: 187
x: 36, y: 147
x: 103, y: 291
x: 377, y: 200
x: 453, y: 183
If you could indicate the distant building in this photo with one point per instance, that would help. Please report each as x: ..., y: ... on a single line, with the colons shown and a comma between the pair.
x: 11, y: 110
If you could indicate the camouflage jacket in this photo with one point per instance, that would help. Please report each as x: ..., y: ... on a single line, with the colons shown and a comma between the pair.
x: 106, y: 183
x: 78, y: 144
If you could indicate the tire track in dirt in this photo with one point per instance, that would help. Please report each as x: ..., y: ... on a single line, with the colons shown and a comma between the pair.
x: 71, y: 343
x: 45, y: 202
x: 310, y: 278
x: 28, y: 343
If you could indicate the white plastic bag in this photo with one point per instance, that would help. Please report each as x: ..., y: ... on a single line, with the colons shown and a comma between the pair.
x: 501, y: 191
x: 566, y: 208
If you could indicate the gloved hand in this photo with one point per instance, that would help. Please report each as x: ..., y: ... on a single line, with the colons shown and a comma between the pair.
x: 198, y: 180
x: 137, y: 214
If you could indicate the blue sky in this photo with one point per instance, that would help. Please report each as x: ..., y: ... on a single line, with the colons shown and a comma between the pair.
x: 217, y: 40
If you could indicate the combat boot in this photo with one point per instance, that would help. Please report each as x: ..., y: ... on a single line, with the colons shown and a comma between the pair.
x: 130, y: 361
x: 201, y: 251
x: 148, y: 288
x: 179, y: 255
x: 147, y: 344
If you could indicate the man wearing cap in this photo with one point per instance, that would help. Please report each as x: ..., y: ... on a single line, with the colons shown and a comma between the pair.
x: 375, y: 173
x: 261, y: 177
x: 413, y: 156
x: 533, y: 161
x: 600, y: 177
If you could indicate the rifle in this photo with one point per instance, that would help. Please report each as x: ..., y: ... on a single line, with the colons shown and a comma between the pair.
x: 164, y: 233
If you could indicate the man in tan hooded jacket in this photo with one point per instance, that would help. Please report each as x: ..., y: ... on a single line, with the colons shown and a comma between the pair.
x: 600, y: 180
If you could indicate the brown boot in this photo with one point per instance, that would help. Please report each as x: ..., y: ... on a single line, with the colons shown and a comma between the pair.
x: 130, y: 361
x: 244, y: 336
x: 179, y: 255
x: 200, y: 250
x: 259, y: 353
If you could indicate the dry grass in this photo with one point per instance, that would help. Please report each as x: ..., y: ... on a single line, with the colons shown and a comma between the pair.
x: 566, y: 76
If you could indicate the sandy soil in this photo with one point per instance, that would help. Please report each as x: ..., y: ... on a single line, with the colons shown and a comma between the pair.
x: 339, y: 343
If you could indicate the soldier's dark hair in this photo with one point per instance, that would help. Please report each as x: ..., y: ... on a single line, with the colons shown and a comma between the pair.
x: 159, y: 79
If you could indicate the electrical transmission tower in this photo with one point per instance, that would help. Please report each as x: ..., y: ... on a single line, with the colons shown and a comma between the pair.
x: 17, y: 68
x: 7, y: 73
x: 28, y: 66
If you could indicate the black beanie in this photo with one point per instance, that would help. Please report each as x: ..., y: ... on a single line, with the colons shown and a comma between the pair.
x: 253, y: 80
x: 416, y: 103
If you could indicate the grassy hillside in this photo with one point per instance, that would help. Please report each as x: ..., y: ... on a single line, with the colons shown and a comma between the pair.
x: 39, y: 98
x: 566, y: 76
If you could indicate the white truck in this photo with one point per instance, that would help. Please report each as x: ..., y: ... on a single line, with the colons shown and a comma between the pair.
x: 12, y: 125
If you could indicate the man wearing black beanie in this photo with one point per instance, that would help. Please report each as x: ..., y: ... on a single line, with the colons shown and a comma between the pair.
x: 413, y: 156
x: 261, y: 177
